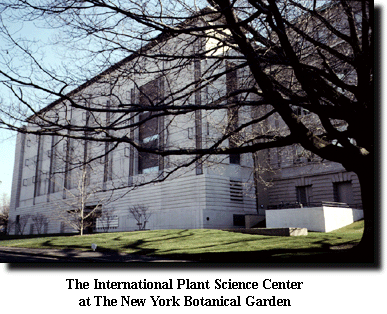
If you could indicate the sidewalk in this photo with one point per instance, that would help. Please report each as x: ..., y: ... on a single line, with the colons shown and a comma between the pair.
x: 21, y: 255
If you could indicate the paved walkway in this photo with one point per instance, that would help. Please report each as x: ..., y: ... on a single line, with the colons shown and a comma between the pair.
x: 24, y: 255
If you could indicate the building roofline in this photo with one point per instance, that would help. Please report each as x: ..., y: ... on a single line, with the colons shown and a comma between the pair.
x: 162, y: 37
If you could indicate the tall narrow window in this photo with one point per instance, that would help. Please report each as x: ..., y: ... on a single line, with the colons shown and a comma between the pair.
x: 149, y: 138
x: 151, y: 128
x: 108, y: 157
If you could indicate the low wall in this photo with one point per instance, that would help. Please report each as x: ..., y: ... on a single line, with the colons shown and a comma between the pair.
x: 322, y: 219
x: 279, y: 232
x: 252, y: 220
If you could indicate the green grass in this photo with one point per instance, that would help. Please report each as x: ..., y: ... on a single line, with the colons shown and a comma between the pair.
x: 206, y: 244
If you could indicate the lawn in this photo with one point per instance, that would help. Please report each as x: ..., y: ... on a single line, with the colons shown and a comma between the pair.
x: 209, y: 245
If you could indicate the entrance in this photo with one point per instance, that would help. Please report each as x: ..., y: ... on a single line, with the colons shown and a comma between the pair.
x: 91, y: 213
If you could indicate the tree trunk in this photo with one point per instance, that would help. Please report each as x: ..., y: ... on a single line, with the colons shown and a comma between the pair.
x: 81, y: 225
x: 368, y: 246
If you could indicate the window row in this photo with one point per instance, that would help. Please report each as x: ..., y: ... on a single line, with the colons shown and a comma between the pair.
x: 342, y: 193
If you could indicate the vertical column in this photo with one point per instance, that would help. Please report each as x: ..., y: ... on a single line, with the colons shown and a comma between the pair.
x: 51, y: 177
x: 107, y: 172
x: 131, y: 136
x: 38, y: 166
x: 67, y: 174
x: 198, y: 113
x: 86, y: 161
x: 161, y: 124
x: 18, y: 171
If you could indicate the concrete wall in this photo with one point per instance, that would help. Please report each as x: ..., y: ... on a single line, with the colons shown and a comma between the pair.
x: 321, y: 178
x: 186, y: 202
x: 322, y: 219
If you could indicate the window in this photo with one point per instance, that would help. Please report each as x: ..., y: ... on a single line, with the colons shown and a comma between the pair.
x: 150, y: 130
x: 27, y: 162
x: 150, y: 170
x: 108, y: 163
x: 149, y: 137
x: 191, y: 133
x: 107, y: 222
x: 235, y: 159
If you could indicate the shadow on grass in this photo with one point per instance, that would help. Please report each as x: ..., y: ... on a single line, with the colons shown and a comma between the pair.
x: 345, y: 256
x: 272, y: 259
x: 4, y: 237
x: 320, y: 253
x: 345, y: 253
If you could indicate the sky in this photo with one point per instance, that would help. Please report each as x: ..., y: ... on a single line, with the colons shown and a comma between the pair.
x: 7, y: 148
x: 7, y: 155
x: 7, y: 138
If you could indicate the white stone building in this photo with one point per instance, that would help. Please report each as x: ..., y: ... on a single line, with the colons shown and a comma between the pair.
x: 215, y: 192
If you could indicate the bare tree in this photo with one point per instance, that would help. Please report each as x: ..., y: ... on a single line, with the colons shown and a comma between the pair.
x: 4, y: 213
x: 141, y: 214
x: 40, y: 222
x: 79, y: 209
x: 21, y: 223
x: 10, y: 226
x: 107, y: 219
x: 293, y: 57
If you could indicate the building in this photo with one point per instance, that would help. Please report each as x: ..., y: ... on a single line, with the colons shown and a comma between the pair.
x: 94, y: 164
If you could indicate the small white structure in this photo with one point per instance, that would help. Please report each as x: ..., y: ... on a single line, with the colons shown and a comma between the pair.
x: 321, y: 219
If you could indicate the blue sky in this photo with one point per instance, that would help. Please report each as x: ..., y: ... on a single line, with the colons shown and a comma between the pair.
x: 7, y: 155
x: 7, y: 138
